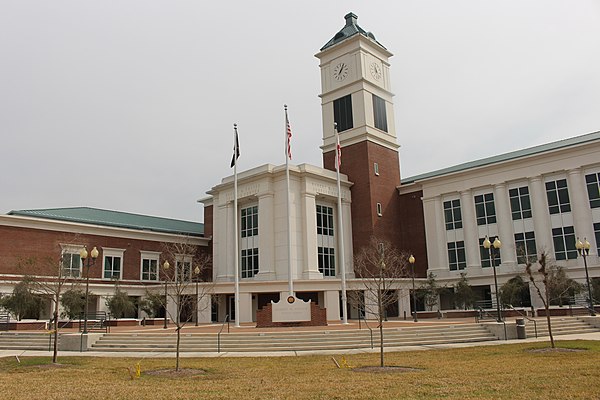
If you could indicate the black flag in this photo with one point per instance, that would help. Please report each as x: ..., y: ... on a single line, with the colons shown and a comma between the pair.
x: 236, y: 148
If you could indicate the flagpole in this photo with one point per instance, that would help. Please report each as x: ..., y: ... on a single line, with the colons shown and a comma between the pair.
x: 236, y: 250
x: 338, y: 162
x: 287, y: 180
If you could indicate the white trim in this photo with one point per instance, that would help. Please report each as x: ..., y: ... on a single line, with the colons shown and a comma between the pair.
x: 149, y: 255
x: 112, y: 252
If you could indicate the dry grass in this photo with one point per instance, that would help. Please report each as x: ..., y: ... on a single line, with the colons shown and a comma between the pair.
x: 487, y: 372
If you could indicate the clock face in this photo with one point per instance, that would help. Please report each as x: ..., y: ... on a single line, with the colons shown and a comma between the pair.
x: 340, y: 71
x: 376, y: 70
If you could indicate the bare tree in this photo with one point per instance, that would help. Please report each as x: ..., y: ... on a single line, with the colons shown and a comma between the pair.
x: 184, y: 270
x: 380, y: 266
x: 50, y: 280
x: 545, y: 297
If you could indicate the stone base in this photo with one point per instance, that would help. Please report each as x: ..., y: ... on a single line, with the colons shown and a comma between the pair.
x: 264, y: 318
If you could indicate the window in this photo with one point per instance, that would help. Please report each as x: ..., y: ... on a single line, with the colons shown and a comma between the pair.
x: 249, y: 263
x: 183, y: 268
x: 486, y: 254
x: 526, y: 249
x: 71, y: 265
x: 376, y: 169
x: 379, y: 210
x: 249, y: 244
x: 250, y: 221
x: 485, y: 209
x: 564, y: 243
x: 326, y: 256
x: 324, y: 220
x: 558, y: 196
x: 592, y: 182
x: 379, y: 113
x: 325, y: 240
x: 597, y: 233
x: 456, y: 255
x: 452, y: 214
x: 520, y: 203
x: 149, y: 266
x: 342, y: 113
x: 112, y: 267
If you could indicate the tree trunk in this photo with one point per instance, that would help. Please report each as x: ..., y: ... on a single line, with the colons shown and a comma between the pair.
x: 55, y: 334
x: 547, y: 305
x: 381, y: 363
x: 177, y: 356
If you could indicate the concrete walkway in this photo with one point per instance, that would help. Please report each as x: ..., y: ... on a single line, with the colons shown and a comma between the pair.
x: 142, y: 355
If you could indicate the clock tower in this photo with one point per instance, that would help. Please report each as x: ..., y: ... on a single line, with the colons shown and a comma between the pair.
x: 356, y: 96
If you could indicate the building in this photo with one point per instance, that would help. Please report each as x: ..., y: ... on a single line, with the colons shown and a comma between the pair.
x: 537, y: 199
x: 131, y: 248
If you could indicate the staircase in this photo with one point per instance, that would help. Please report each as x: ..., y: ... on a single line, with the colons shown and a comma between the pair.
x: 560, y: 326
x: 25, y: 341
x: 294, y: 341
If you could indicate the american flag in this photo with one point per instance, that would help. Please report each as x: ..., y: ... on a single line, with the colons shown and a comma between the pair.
x: 338, y: 148
x: 289, y: 136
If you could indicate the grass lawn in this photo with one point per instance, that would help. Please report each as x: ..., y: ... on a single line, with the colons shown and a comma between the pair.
x: 487, y: 372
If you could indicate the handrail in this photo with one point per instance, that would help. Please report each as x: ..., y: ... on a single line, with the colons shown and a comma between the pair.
x: 482, y: 311
x: 370, y: 330
x: 526, y: 317
x: 226, y: 320
x: 583, y: 304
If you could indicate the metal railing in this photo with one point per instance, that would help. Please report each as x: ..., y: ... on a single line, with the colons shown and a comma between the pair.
x: 225, y: 321
x: 583, y: 304
x: 97, y: 321
x: 367, y: 325
x: 480, y: 316
x: 509, y: 306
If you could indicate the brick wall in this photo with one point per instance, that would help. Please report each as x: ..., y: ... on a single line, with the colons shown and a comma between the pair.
x: 264, y: 317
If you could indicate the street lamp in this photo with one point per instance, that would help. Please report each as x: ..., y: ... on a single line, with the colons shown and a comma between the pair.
x: 165, y: 268
x: 83, y: 254
x: 496, y: 246
x: 584, y: 251
x: 411, y: 260
x: 197, y: 273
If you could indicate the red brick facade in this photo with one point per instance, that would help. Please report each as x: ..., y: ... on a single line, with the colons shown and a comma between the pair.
x: 369, y: 189
x: 18, y: 245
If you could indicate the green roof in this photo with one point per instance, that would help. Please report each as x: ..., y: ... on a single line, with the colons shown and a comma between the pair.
x: 95, y: 216
x: 350, y: 29
x: 561, y: 144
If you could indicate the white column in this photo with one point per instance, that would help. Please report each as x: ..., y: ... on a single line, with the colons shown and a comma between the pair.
x: 204, y: 310
x: 266, y: 247
x: 506, y: 232
x: 348, y: 249
x: 467, y: 205
x: 332, y: 304
x: 310, y: 269
x: 580, y: 205
x: 435, y: 233
x: 404, y: 302
x: 371, y: 308
x: 541, y: 216
x: 245, y: 311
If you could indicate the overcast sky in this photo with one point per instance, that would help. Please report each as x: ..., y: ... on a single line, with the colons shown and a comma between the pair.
x: 129, y: 105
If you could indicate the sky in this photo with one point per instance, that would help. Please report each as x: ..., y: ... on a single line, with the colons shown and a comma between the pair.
x: 130, y: 105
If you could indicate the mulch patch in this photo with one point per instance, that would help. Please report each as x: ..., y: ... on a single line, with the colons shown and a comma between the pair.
x: 554, y: 350
x: 171, y: 373
x: 388, y: 369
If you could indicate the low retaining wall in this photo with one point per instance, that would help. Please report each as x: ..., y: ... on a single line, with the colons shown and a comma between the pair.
x: 264, y: 318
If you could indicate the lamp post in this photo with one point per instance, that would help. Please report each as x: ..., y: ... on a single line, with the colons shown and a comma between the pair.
x: 83, y: 254
x: 584, y: 251
x: 493, y: 247
x: 411, y: 260
x: 197, y: 274
x: 165, y: 268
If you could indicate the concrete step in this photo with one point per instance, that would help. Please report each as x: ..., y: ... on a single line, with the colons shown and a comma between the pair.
x: 560, y: 326
x: 24, y: 341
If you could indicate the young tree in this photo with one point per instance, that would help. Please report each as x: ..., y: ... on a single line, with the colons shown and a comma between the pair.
x: 380, y: 266
x: 184, y: 267
x: 514, y: 291
x: 120, y: 304
x: 560, y: 287
x: 73, y: 303
x: 23, y: 301
x: 152, y: 303
x: 464, y: 296
x: 545, y: 297
x: 430, y: 291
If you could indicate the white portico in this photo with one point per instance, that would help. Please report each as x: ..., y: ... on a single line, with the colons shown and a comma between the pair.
x: 262, y: 234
